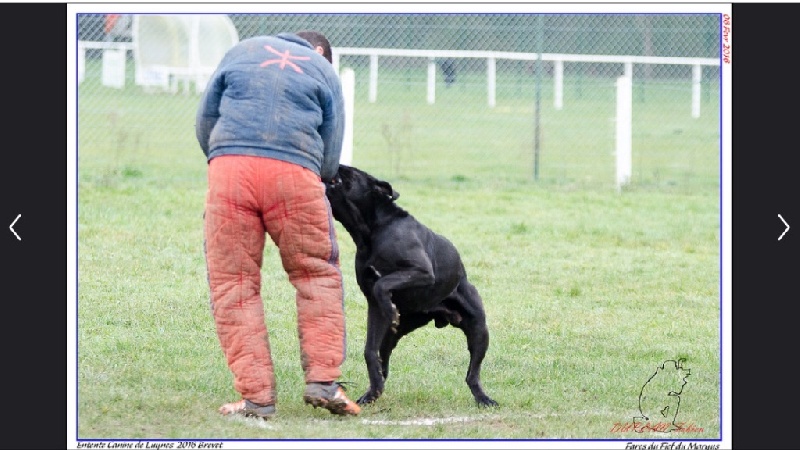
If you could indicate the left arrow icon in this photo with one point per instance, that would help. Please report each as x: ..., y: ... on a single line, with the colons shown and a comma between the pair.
x: 11, y: 227
x: 784, y: 231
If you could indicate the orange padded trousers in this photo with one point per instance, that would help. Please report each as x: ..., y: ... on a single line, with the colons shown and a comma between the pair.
x: 249, y: 197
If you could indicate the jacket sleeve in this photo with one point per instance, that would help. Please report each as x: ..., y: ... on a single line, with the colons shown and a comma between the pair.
x: 208, y: 112
x: 332, y: 130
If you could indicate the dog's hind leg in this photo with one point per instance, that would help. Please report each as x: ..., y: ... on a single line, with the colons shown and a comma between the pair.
x: 473, y: 324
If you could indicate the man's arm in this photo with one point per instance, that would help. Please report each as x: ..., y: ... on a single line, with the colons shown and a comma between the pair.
x: 332, y: 130
x: 208, y: 112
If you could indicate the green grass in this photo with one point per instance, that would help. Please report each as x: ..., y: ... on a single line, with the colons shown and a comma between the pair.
x: 586, y: 290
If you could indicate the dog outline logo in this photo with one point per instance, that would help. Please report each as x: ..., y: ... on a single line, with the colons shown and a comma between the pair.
x: 660, y: 397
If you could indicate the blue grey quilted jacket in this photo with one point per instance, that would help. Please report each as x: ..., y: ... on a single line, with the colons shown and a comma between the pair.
x: 274, y: 96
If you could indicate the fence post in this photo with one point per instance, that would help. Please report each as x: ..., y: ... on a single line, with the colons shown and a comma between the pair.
x: 491, y: 81
x: 431, y: 81
x: 348, y: 78
x: 697, y: 76
x: 373, y: 78
x: 624, y: 130
x: 558, y: 79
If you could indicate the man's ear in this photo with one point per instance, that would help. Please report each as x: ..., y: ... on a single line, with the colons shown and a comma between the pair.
x: 385, y: 189
x: 320, y: 50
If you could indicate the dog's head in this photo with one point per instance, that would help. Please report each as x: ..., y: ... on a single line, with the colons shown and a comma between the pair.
x: 355, y: 190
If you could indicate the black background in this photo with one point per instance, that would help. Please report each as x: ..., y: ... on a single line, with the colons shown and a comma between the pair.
x: 766, y: 90
x: 33, y: 183
x: 766, y: 180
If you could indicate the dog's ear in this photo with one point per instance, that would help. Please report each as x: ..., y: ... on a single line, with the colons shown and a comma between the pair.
x: 385, y: 189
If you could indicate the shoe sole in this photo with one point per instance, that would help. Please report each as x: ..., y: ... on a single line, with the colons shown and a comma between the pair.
x: 338, y: 407
x: 236, y: 409
x: 256, y: 415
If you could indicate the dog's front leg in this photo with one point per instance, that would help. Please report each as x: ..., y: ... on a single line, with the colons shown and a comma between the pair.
x: 403, y: 279
x: 377, y: 327
x: 381, y: 317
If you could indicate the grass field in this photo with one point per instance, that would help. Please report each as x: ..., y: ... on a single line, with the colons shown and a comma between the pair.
x: 586, y: 290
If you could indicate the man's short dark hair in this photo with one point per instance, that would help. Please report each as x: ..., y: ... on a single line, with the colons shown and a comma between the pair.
x: 317, y: 39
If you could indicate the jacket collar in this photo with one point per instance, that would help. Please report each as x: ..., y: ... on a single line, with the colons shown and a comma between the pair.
x: 291, y: 37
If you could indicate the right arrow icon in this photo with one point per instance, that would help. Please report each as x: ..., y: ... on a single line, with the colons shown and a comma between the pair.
x: 784, y: 231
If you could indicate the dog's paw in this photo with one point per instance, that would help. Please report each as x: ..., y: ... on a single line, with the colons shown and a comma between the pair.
x: 367, y: 398
x: 486, y: 402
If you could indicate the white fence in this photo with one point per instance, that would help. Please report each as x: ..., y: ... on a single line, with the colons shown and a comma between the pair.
x: 491, y: 57
x: 114, y: 76
x: 115, y: 56
x: 624, y: 107
x: 114, y: 70
x: 450, y: 86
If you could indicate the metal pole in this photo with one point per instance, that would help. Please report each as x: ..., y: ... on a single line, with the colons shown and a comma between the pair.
x: 537, y: 110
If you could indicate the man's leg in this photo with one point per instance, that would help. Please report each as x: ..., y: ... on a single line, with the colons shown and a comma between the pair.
x: 299, y: 221
x: 302, y: 227
x: 234, y: 240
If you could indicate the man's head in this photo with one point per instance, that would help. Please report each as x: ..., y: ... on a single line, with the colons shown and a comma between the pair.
x: 319, y: 42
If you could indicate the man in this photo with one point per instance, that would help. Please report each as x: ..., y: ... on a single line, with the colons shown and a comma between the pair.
x: 271, y: 123
x: 118, y: 27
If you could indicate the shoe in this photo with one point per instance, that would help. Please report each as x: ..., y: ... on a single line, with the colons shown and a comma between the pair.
x: 331, y: 397
x: 248, y: 409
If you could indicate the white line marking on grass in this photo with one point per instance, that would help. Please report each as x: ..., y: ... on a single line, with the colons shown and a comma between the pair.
x: 425, y: 421
x: 431, y: 421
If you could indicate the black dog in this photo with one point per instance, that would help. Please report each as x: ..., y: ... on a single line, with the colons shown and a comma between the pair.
x: 409, y: 275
